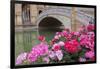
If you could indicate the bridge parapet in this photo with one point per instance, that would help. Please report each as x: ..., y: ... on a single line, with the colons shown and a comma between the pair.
x: 66, y: 12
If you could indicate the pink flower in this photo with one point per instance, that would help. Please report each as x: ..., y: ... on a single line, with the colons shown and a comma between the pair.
x: 84, y: 40
x: 44, y: 48
x: 51, y: 54
x: 21, y: 58
x: 56, y: 47
x: 56, y: 54
x: 32, y: 56
x: 46, y: 59
x: 82, y: 59
x: 59, y: 55
x: 87, y: 40
x: 89, y: 54
x: 59, y: 35
x: 61, y: 43
x: 77, y: 33
x: 56, y: 37
x: 37, y: 51
x: 41, y: 49
x: 69, y: 36
x: 64, y: 33
x: 91, y: 33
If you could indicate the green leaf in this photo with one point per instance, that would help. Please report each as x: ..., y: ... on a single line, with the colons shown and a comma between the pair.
x: 78, y: 39
x: 62, y: 39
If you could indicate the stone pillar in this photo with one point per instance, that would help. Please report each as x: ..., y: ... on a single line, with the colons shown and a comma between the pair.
x: 73, y: 19
x: 33, y: 13
x: 18, y: 14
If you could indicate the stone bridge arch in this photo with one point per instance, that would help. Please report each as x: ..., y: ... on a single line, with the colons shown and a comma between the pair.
x: 64, y: 16
x: 57, y: 14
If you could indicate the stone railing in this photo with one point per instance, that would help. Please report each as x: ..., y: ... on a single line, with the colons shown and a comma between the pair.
x: 82, y: 17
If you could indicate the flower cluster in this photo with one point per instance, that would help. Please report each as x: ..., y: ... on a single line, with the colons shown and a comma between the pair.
x: 21, y: 58
x: 37, y: 51
x: 66, y: 46
x: 72, y: 46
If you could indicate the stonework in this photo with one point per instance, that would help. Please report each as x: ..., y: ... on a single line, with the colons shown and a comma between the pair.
x: 70, y: 17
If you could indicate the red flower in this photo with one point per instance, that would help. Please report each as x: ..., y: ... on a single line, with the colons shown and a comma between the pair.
x: 90, y: 27
x: 56, y: 47
x: 72, y: 46
x: 41, y: 38
x: 75, y: 42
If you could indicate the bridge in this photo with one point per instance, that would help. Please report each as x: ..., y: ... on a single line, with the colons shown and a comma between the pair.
x: 62, y: 17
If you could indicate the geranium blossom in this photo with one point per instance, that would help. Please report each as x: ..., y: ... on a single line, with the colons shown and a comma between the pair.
x: 65, y: 46
x: 41, y: 48
x: 46, y: 59
x: 59, y: 54
x: 82, y: 59
x: 37, y: 51
x: 90, y: 27
x: 72, y: 46
x: 61, y: 43
x: 56, y: 54
x: 32, y: 56
x: 89, y: 54
x: 64, y: 33
x: 56, y: 47
x: 77, y: 33
x: 56, y: 37
x: 21, y: 58
x: 87, y: 41
x: 51, y: 54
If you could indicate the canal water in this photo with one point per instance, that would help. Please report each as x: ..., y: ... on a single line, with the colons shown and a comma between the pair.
x: 25, y: 40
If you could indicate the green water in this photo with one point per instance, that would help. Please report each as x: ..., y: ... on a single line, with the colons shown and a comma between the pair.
x: 25, y: 40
